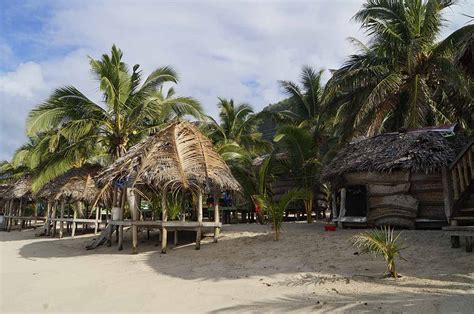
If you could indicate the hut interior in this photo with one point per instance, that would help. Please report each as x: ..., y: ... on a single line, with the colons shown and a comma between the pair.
x: 177, y: 162
x: 406, y: 179
x: 71, y: 201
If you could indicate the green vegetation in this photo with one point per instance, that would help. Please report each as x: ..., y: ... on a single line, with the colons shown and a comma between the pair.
x: 403, y: 78
x: 381, y: 242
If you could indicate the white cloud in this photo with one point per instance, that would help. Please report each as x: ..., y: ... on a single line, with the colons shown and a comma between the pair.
x: 237, y: 49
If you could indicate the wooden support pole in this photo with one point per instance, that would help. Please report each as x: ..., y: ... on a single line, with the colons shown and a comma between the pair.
x: 132, y: 203
x: 20, y: 212
x: 120, y: 228
x: 164, y: 232
x: 216, y: 216
x: 10, y: 213
x: 447, y: 193
x: 471, y: 162
x: 55, y: 207
x: 175, y: 237
x: 461, y: 179
x: 342, y: 210
x: 97, y: 210
x: 61, y: 223
x: 334, y: 205
x: 199, y: 219
x: 455, y: 184
x: 36, y: 213
x: 467, y: 177
x: 48, y: 218
x: 75, y: 209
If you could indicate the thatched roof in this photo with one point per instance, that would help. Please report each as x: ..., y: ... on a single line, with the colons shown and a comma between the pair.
x: 4, y: 188
x: 20, y: 188
x: 465, y: 56
x: 77, y: 184
x: 417, y: 150
x: 179, y: 156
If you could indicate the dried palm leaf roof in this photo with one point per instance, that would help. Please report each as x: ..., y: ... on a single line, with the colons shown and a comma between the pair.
x: 417, y: 150
x: 4, y: 188
x: 20, y: 188
x: 77, y: 184
x: 179, y: 156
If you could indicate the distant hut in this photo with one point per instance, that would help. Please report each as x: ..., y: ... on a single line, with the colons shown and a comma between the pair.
x: 16, y: 196
x: 178, y: 158
x: 75, y: 189
x: 401, y: 179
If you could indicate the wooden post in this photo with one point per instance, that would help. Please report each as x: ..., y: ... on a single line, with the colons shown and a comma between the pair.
x: 334, y: 205
x: 120, y: 228
x: 216, y: 217
x: 455, y: 184
x: 10, y: 214
x: 199, y: 219
x: 61, y: 223
x: 36, y: 213
x: 20, y: 212
x: 461, y: 178
x: 75, y: 209
x: 175, y: 237
x: 97, y: 210
x: 54, y: 217
x: 164, y: 232
x: 471, y: 163
x: 447, y: 193
x: 132, y: 203
x: 342, y: 210
x: 467, y: 177
x: 48, y: 214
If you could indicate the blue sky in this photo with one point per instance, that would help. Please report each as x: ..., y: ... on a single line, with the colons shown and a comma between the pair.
x: 232, y: 49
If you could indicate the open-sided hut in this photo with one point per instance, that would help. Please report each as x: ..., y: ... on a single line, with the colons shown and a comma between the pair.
x: 401, y: 179
x: 75, y: 188
x: 178, y: 158
x: 16, y: 196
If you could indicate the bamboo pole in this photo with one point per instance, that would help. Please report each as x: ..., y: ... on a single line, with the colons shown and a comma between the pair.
x: 199, y: 219
x: 216, y: 216
x: 36, y: 213
x: 342, y: 211
x: 96, y: 219
x: 120, y: 229
x: 334, y: 205
x: 61, y: 223
x: 164, y: 232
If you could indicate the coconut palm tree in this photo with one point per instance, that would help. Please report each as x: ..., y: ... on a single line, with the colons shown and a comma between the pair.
x: 277, y: 209
x: 403, y: 78
x: 381, y: 242
x: 77, y: 129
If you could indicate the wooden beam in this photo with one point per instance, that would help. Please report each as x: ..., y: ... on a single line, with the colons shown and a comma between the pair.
x: 467, y: 177
x: 97, y: 210
x: 342, y: 209
x: 380, y: 189
x: 10, y: 212
x: 48, y: 218
x: 120, y: 231
x: 20, y: 212
x: 394, y: 201
x: 199, y: 219
x: 164, y: 232
x: 461, y: 179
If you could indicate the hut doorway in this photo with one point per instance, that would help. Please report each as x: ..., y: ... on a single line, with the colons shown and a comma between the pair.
x: 356, y: 201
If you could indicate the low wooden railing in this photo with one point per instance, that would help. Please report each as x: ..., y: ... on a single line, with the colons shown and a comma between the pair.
x: 462, y: 171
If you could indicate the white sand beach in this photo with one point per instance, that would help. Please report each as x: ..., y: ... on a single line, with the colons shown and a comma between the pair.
x: 307, y: 270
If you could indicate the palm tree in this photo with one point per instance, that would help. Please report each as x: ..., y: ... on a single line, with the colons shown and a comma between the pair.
x: 237, y: 127
x: 77, y: 129
x: 381, y: 242
x: 277, y: 209
x: 403, y: 78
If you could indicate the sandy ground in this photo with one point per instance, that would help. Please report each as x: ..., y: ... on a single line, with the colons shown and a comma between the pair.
x: 307, y: 270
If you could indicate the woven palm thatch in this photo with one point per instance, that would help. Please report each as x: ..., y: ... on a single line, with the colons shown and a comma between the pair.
x: 178, y: 157
x: 20, y: 188
x: 426, y: 151
x: 4, y: 188
x: 77, y: 184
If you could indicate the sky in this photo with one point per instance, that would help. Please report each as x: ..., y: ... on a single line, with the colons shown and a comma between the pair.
x: 231, y: 49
